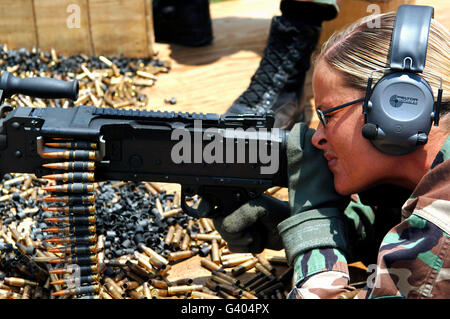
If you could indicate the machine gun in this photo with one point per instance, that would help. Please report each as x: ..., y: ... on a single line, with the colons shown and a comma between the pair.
x: 216, y: 157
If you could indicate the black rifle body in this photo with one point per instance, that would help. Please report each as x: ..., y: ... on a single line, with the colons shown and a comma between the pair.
x: 137, y: 145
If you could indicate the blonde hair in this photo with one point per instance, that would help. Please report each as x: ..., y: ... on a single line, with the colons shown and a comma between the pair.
x: 361, y: 48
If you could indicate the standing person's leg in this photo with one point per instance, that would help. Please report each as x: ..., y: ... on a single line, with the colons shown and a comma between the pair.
x: 184, y: 22
x: 277, y: 84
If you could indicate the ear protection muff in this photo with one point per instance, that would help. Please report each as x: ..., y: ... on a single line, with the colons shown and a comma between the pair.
x: 400, y: 109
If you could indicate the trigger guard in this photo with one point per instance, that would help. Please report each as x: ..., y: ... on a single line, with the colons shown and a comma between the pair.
x: 196, y: 213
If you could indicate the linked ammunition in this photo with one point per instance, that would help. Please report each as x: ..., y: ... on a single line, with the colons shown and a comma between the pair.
x: 75, y: 280
x: 74, y: 199
x: 82, y: 270
x: 73, y: 229
x: 72, y: 166
x: 73, y: 220
x: 80, y: 145
x: 73, y: 240
x: 77, y: 291
x: 70, y: 188
x: 78, y: 155
x: 74, y: 250
x: 76, y: 259
x: 78, y: 177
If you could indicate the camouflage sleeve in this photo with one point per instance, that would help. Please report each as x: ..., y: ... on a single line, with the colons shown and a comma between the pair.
x: 320, y: 273
x: 414, y: 257
x: 324, y: 285
x: 413, y: 262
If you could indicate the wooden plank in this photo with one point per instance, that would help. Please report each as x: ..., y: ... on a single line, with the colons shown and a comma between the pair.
x: 210, y: 78
x: 119, y: 27
x: 64, y: 26
x: 352, y: 10
x: 17, y: 26
x: 149, y: 26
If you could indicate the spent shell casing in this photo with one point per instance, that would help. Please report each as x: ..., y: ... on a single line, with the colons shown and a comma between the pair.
x: 77, y: 177
x: 73, y: 220
x: 80, y: 145
x: 70, y: 188
x: 73, y: 155
x: 77, y: 291
x: 82, y: 239
x: 72, y: 166
x: 19, y: 282
x: 72, y: 209
x: 183, y: 289
x: 182, y: 254
x: 74, y: 250
x: 73, y: 199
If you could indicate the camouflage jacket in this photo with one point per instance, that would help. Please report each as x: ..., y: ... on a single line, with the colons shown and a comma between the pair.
x: 413, y: 259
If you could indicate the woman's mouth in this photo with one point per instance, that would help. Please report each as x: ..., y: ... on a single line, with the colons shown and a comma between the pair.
x: 332, y: 161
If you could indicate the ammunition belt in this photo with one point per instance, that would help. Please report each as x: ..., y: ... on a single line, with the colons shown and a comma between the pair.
x: 72, y: 200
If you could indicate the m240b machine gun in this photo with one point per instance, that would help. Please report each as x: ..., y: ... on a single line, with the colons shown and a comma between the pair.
x: 226, y: 160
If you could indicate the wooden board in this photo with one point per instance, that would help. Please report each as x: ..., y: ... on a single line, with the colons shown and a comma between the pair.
x: 56, y: 28
x: 352, y: 10
x: 119, y: 27
x: 17, y: 24
x: 108, y: 27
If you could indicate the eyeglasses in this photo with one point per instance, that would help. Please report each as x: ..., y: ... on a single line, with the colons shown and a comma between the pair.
x: 321, y: 114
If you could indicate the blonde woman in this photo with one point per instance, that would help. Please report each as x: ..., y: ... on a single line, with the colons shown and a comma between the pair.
x: 413, y: 258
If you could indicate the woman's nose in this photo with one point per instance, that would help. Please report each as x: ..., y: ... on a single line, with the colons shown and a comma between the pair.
x: 319, y: 139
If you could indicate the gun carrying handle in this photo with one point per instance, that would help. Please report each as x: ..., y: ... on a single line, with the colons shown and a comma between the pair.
x: 38, y: 87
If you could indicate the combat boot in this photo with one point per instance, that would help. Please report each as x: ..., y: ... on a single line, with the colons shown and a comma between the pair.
x: 277, y: 84
x: 184, y: 22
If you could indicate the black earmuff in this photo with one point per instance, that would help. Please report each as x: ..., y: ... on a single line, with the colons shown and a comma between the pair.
x: 400, y: 109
